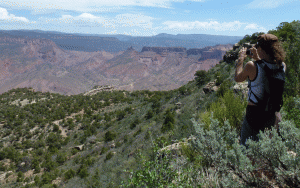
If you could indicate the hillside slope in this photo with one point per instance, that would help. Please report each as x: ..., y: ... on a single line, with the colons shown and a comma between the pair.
x: 88, y: 140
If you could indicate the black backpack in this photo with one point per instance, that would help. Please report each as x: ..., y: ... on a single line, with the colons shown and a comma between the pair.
x: 274, y: 81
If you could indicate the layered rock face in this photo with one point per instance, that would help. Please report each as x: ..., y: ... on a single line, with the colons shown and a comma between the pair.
x: 42, y: 65
x: 164, y: 50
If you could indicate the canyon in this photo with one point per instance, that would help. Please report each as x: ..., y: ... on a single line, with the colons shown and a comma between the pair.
x: 43, y: 65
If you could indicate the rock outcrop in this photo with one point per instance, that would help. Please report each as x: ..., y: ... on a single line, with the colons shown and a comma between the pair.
x: 238, y: 88
x: 178, y: 104
x: 2, y: 176
x: 99, y: 89
x: 80, y: 147
x: 211, y: 87
x: 176, y: 147
x: 241, y: 88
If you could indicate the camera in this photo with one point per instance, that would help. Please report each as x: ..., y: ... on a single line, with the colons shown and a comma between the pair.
x: 248, y: 46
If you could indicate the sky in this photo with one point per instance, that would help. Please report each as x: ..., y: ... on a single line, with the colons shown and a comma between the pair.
x: 148, y: 17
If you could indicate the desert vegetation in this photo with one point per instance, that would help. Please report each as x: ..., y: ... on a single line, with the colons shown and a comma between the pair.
x: 114, y: 139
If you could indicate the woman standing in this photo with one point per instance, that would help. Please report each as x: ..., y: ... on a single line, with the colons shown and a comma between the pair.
x: 269, y: 50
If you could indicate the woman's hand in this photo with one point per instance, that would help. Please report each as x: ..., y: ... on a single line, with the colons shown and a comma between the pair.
x: 242, y: 54
x: 255, y: 55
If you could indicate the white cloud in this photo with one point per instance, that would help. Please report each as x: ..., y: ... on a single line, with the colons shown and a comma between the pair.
x: 255, y: 27
x: 4, y: 15
x: 88, y: 16
x: 84, y: 17
x: 182, y: 26
x: 268, y: 4
x: 87, y: 5
x: 133, y: 24
x: 133, y: 20
x: 251, y: 26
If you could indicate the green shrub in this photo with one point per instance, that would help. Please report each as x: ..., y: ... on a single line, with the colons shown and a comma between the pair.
x: 54, y: 142
x: 167, y: 126
x: 129, y: 110
x: 104, y: 150
x: 61, y: 158
x: 36, y: 164
x: 109, y: 156
x: 109, y: 136
x: 149, y: 114
x: 49, y: 165
x: 201, y: 77
x: 148, y: 134
x: 37, y: 180
x: 135, y: 123
x: 2, y: 167
x: 183, y: 90
x: 69, y: 174
x: 55, y: 128
x: 161, y: 141
x: 236, y: 166
x: 107, y: 117
x: 82, y: 172
x: 66, y: 140
x: 88, y: 160
x: 95, y: 180
x: 46, y: 178
x: 234, y: 109
x: 20, y: 177
x: 96, y: 124
x: 227, y: 108
x: 74, y: 151
x: 224, y: 87
x: 137, y: 132
x: 157, y: 172
x: 106, y: 103
x: 27, y: 144
x: 189, y: 152
x: 118, y: 144
x: 120, y: 115
x: 156, y: 104
x: 169, y: 121
x: 292, y: 107
x: 108, y: 125
x: 78, y: 117
x: 125, y: 138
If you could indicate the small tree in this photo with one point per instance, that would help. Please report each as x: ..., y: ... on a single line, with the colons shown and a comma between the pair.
x: 120, y: 115
x: 149, y: 114
x: 109, y: 136
x: 37, y: 180
x: 82, y: 171
x: 201, y: 77
x: 20, y: 177
x: 169, y: 121
x: 135, y: 123
x: 107, y: 117
x: 69, y: 174
x: 55, y: 128
x: 109, y: 156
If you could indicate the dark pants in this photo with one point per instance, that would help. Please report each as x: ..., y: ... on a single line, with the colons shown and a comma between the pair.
x: 254, y: 121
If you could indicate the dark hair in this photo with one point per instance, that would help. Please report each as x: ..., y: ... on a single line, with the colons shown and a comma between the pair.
x: 270, y: 44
